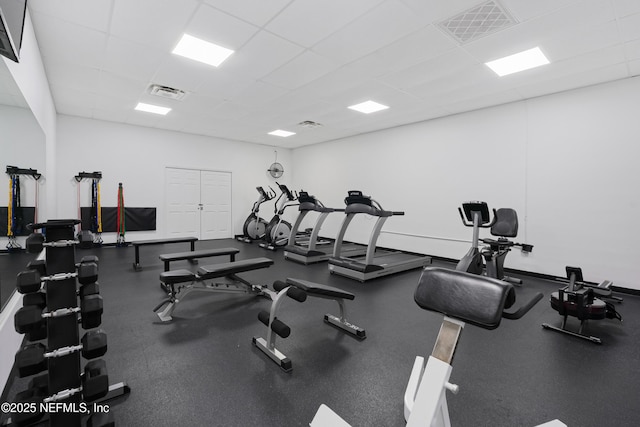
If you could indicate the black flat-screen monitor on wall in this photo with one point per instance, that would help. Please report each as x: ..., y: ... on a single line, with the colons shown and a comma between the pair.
x: 12, y: 13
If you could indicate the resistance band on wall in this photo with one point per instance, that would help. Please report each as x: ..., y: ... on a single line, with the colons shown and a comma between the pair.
x: 120, y: 218
x: 15, y: 218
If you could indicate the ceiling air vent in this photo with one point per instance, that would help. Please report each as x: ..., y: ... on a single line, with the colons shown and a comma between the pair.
x: 477, y: 22
x: 309, y: 124
x: 167, y: 92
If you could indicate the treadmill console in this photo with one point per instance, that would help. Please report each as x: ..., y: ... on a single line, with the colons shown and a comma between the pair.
x: 356, y: 197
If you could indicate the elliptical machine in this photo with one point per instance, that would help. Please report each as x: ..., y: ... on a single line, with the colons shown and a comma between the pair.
x: 254, y: 227
x: 278, y: 230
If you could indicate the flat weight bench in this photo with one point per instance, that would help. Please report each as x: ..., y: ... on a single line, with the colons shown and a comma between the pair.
x: 462, y: 298
x: 136, y: 245
x: 299, y: 290
x: 194, y: 255
x: 179, y: 283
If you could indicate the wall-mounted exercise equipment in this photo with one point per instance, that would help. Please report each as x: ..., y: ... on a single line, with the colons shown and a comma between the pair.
x: 120, y: 218
x: 15, y: 212
x: 88, y: 236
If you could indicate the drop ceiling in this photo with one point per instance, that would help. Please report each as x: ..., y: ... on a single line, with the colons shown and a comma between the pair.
x: 308, y: 60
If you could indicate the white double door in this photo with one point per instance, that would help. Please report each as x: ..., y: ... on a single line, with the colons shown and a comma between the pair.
x: 198, y: 203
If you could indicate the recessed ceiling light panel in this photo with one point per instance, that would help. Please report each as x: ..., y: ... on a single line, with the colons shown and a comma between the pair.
x: 149, y: 108
x: 368, y: 107
x: 201, y: 50
x: 518, y: 62
x: 282, y: 133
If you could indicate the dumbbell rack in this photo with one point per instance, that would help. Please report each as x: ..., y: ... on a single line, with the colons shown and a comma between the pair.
x: 55, y: 315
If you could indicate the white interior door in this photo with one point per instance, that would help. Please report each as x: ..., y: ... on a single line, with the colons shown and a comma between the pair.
x: 198, y: 203
x: 215, y: 197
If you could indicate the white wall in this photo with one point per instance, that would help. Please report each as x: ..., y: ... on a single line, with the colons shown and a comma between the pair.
x: 137, y: 157
x: 564, y: 162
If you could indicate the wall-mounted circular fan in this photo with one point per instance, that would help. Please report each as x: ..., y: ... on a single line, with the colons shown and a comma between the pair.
x: 276, y: 170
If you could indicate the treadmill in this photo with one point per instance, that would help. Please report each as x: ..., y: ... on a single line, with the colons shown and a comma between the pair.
x: 374, y: 263
x: 315, y: 249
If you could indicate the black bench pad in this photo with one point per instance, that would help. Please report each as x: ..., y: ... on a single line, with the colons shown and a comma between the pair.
x: 177, y: 276
x: 473, y: 299
x: 163, y: 241
x: 312, y: 288
x: 227, y: 268
x: 198, y: 254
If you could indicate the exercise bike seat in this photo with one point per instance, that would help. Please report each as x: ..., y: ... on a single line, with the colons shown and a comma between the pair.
x: 467, y: 297
x: 506, y: 224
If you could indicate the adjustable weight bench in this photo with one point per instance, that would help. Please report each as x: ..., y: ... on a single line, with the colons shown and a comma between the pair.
x: 179, y: 283
x: 299, y: 290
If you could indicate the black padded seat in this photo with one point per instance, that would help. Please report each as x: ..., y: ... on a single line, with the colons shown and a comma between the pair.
x: 227, y: 268
x: 506, y: 224
x: 473, y: 299
x: 198, y: 254
x: 177, y: 276
x: 313, y: 288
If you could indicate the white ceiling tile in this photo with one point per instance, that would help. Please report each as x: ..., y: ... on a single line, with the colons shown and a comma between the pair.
x: 380, y: 27
x: 523, y: 10
x: 634, y: 67
x: 94, y: 14
x: 114, y: 85
x: 632, y: 49
x: 220, y: 28
x: 306, y: 22
x: 74, y: 76
x: 630, y: 26
x: 301, y: 70
x: 574, y: 80
x: 526, y: 35
x: 581, y: 42
x: 195, y: 103
x: 72, y: 43
x: 222, y: 84
x: 445, y: 65
x: 110, y: 114
x: 257, y: 12
x: 258, y: 94
x: 183, y: 73
x: 261, y: 55
x: 626, y: 7
x: 150, y: 22
x: 129, y: 59
x: 436, y: 11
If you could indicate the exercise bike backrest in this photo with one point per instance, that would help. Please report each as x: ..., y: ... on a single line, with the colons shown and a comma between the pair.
x: 477, y: 300
x: 481, y: 209
x: 505, y: 223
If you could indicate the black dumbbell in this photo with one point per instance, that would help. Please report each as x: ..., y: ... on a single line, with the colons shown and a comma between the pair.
x: 39, y: 299
x: 39, y: 265
x: 91, y: 310
x: 28, y: 281
x: 101, y: 419
x: 28, y: 319
x: 95, y: 381
x: 32, y: 359
x: 28, y: 398
x: 87, y: 273
x: 35, y: 242
x: 90, y: 289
